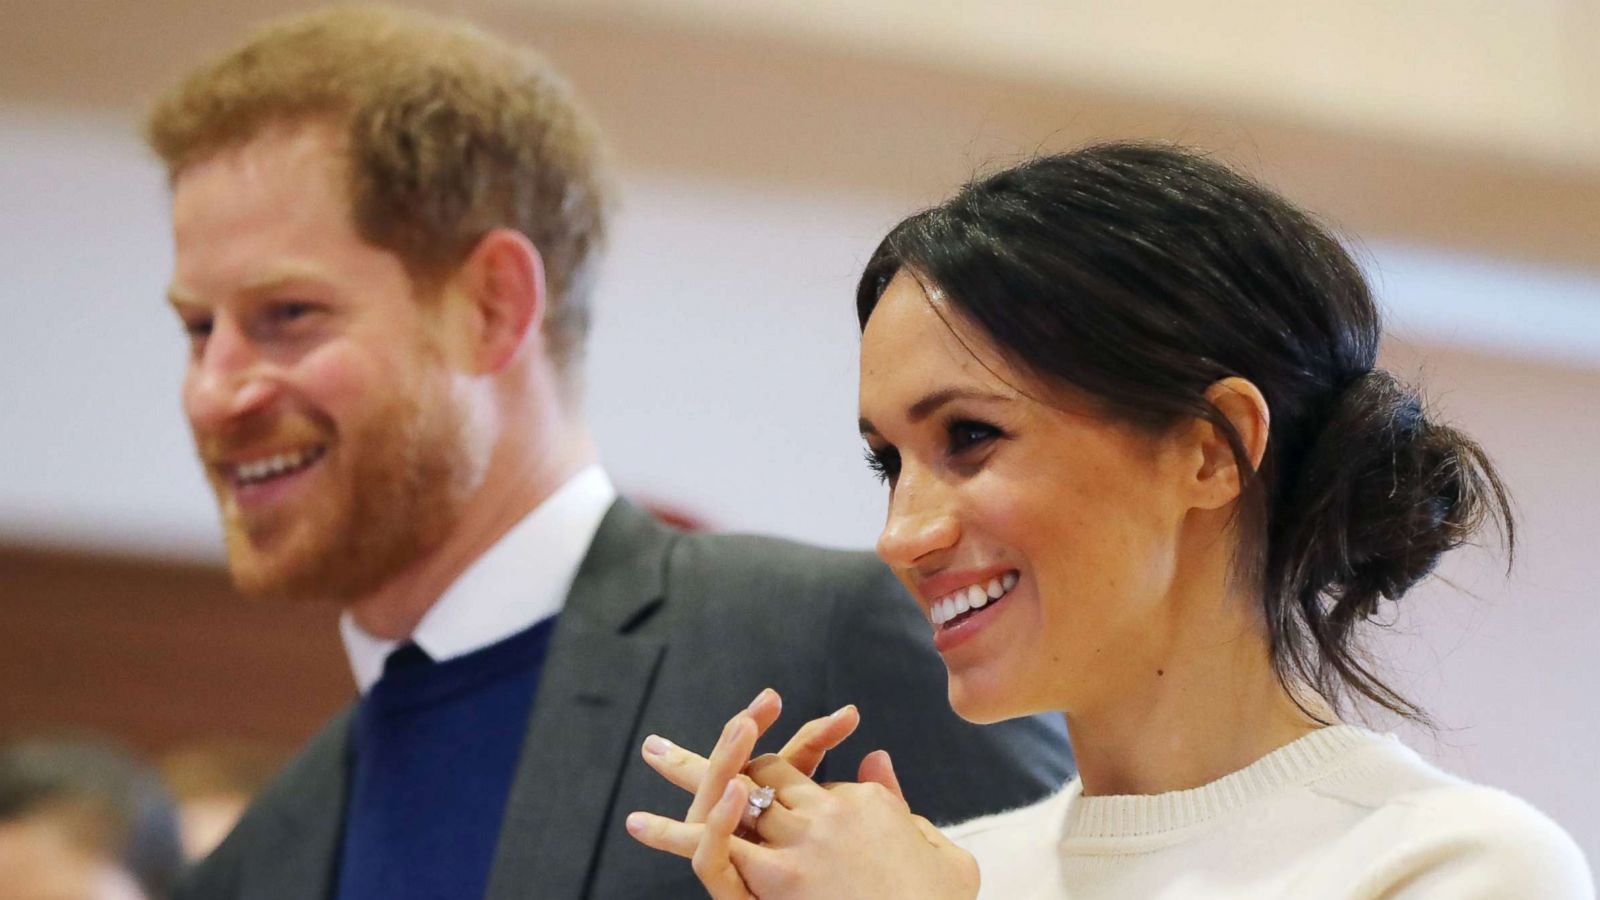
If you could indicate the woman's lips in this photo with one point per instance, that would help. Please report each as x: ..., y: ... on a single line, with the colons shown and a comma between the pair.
x: 971, y: 597
x: 962, y: 613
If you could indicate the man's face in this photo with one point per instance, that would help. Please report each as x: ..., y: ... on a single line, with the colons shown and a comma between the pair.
x: 321, y: 406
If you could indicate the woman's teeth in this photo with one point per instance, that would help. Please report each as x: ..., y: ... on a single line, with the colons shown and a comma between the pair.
x: 257, y: 471
x: 971, y: 597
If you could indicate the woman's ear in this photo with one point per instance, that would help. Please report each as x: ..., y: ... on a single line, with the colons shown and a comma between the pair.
x: 1217, y: 477
x: 503, y: 283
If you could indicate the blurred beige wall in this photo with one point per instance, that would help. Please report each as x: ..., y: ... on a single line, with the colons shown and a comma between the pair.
x: 1463, y: 123
x: 766, y: 146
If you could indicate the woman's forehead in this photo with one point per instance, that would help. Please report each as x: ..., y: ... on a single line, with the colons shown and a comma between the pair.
x: 914, y: 346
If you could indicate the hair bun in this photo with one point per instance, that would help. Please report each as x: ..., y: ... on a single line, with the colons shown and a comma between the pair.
x: 1381, y: 494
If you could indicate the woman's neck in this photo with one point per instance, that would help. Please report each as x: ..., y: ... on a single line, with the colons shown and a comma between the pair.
x: 1213, y: 706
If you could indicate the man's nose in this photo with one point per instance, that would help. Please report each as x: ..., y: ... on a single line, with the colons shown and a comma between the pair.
x: 921, y: 522
x: 227, y: 381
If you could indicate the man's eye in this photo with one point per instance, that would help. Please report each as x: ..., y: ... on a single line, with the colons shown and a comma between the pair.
x: 967, y: 435
x: 290, y: 311
x: 197, y: 329
x: 883, y: 463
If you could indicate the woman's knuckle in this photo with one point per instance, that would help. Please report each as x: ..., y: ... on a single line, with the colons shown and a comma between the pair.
x: 786, y: 877
x: 968, y: 867
x: 702, y: 865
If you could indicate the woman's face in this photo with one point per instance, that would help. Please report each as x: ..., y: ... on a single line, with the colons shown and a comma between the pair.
x: 1050, y: 532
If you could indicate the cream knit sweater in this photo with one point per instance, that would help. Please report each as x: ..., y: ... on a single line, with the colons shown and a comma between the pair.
x: 1341, y: 813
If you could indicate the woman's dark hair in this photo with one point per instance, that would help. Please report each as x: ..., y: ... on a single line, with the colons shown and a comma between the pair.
x: 1142, y: 274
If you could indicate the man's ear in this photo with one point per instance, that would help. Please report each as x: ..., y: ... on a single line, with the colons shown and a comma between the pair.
x: 1217, y: 476
x: 503, y: 282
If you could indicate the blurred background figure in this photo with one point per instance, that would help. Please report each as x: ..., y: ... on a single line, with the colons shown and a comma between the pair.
x: 83, y: 821
x: 763, y: 149
x: 212, y: 784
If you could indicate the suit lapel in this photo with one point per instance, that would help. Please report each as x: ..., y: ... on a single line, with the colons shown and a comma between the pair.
x: 579, y: 738
x: 298, y: 856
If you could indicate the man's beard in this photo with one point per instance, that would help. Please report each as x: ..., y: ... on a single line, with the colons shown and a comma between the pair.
x: 400, y: 483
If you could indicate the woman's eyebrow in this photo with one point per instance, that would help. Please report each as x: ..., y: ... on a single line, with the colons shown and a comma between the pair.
x: 931, y: 403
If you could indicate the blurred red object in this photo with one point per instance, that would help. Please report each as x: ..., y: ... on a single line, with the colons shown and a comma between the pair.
x: 673, y: 514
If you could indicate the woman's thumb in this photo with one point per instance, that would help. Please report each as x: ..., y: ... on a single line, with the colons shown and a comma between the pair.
x: 877, y: 768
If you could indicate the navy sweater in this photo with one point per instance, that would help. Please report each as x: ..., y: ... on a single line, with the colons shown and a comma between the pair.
x: 435, y: 747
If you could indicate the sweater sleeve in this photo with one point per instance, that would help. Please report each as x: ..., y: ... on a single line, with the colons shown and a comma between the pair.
x: 1477, y: 843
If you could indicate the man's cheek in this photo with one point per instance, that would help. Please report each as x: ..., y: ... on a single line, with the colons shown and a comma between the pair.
x: 341, y: 384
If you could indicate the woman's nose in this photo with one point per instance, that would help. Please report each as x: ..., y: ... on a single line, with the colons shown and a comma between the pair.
x: 921, y: 522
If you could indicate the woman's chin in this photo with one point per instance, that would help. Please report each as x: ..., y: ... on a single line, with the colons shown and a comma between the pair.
x: 983, y: 703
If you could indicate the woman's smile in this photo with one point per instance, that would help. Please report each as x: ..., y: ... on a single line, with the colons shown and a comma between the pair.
x: 1033, y: 533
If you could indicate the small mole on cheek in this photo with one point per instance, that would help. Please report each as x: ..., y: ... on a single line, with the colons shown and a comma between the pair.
x: 1160, y: 672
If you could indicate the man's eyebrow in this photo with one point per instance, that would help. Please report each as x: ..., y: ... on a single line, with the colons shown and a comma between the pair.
x: 283, y: 277
x: 177, y: 298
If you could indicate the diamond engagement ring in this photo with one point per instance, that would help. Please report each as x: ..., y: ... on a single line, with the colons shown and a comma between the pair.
x: 760, y: 799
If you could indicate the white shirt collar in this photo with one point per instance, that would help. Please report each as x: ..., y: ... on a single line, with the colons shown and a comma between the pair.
x: 520, y: 580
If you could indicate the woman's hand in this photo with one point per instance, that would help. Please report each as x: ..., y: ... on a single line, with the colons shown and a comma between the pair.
x: 804, y: 751
x: 835, y: 841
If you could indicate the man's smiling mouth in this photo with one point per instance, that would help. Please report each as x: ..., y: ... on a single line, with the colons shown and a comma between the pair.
x: 264, y: 469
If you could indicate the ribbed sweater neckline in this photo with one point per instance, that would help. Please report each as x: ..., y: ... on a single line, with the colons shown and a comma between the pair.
x: 1129, y: 816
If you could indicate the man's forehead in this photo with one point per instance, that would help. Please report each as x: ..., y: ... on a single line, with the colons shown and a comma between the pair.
x: 300, y: 145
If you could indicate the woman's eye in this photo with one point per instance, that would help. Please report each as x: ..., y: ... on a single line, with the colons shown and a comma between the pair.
x: 965, y: 435
x: 883, y: 463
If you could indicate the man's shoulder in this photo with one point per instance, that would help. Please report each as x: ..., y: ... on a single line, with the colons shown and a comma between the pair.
x: 768, y: 556
x: 309, y: 786
x: 764, y: 569
x: 321, y: 760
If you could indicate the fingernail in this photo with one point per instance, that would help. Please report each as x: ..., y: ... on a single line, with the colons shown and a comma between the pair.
x: 656, y: 745
x: 635, y: 823
x: 728, y: 792
x: 759, y: 697
x: 840, y: 712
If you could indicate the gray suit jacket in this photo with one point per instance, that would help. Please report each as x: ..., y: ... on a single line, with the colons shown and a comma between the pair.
x: 672, y: 633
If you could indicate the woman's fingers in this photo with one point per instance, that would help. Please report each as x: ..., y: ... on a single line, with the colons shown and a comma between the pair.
x: 812, y: 742
x: 687, y: 769
x: 712, y: 859
x: 662, y: 833
x: 680, y: 766
x: 707, y: 845
x: 727, y: 759
x: 682, y: 838
x: 876, y: 767
x: 792, y: 787
x: 764, y: 709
